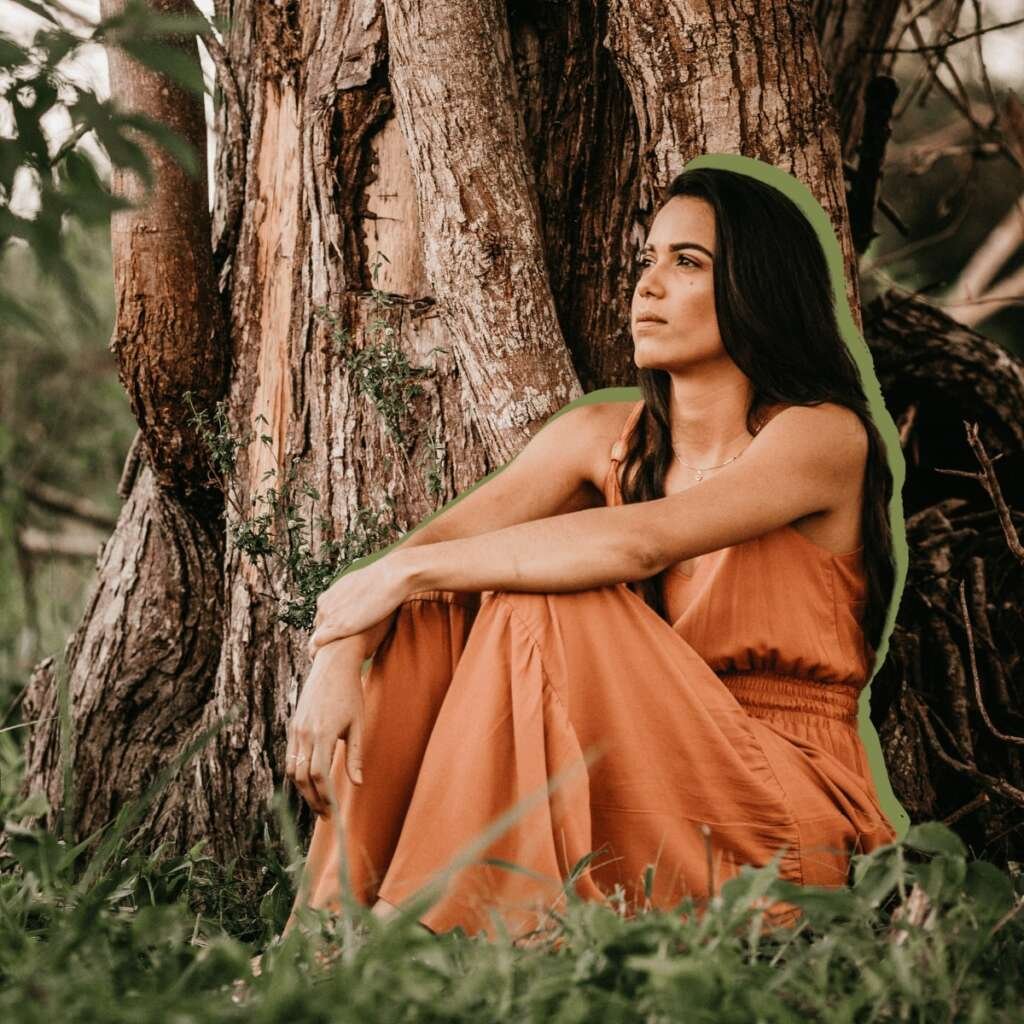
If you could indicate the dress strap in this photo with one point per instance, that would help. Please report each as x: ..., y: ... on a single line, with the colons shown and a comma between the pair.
x: 612, y: 491
x: 619, y: 448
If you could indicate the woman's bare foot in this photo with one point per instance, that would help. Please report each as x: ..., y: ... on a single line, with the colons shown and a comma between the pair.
x: 384, y: 910
x: 324, y: 958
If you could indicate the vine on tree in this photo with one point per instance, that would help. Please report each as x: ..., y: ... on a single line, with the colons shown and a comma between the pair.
x: 304, y: 575
x: 381, y: 371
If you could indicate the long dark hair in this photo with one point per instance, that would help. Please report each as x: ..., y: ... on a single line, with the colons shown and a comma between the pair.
x: 776, y: 317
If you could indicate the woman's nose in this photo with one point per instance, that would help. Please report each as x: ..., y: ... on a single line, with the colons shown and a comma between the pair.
x: 650, y: 283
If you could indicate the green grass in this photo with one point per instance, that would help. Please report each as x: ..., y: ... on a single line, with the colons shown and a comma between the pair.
x: 108, y: 931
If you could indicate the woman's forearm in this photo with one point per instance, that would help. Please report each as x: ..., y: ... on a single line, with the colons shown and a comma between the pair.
x: 590, y: 548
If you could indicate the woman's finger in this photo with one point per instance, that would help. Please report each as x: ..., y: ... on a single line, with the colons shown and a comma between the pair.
x: 301, y: 764
x: 325, y: 633
x: 320, y: 773
x: 354, y: 749
x: 316, y: 641
x: 289, y: 755
x: 304, y: 780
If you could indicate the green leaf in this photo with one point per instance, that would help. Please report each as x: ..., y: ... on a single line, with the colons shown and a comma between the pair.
x: 84, y: 193
x: 166, y: 59
x: 934, y: 837
x: 11, y: 54
x: 108, y: 125
x: 10, y: 161
x: 33, y: 806
x: 139, y: 19
x: 942, y: 877
x: 179, y: 148
x: 989, y: 889
x: 56, y: 44
x: 36, y: 850
x: 876, y: 877
x: 822, y: 906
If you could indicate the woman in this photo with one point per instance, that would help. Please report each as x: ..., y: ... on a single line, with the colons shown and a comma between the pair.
x: 667, y: 607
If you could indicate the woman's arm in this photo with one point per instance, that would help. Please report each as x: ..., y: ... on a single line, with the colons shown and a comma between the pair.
x: 552, y: 475
x: 800, y: 463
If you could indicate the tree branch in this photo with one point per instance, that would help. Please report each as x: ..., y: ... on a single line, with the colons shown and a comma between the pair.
x: 1006, y: 737
x: 237, y: 128
x: 990, y: 482
x: 68, y: 544
x: 53, y: 499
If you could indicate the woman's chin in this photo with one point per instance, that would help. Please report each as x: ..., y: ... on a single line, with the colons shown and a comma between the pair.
x: 650, y: 355
x: 648, y: 361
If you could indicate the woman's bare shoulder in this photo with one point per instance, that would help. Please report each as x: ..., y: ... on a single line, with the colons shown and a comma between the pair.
x: 610, y: 418
x: 832, y: 415
x: 604, y: 425
x: 832, y: 438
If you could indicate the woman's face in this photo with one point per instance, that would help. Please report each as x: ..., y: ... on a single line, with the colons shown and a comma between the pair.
x: 677, y: 285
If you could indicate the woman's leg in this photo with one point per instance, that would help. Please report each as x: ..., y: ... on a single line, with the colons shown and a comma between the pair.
x: 545, y: 681
x: 404, y: 690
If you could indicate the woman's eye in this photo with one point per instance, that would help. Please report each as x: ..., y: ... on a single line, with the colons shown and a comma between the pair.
x: 644, y: 262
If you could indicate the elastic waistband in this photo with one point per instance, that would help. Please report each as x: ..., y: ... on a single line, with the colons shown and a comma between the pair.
x: 765, y: 691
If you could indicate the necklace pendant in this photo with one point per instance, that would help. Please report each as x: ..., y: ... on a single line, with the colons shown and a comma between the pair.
x: 700, y: 476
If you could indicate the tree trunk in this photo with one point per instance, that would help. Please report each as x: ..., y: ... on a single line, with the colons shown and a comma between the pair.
x: 140, y: 668
x: 423, y: 230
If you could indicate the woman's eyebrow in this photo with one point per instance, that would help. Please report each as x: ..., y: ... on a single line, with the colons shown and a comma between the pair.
x: 676, y: 246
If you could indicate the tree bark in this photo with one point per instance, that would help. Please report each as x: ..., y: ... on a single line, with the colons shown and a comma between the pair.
x: 464, y: 133
x: 851, y: 36
x: 169, y: 334
x: 140, y: 666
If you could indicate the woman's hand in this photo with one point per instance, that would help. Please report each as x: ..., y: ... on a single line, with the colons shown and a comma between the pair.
x: 359, y: 601
x: 330, y: 708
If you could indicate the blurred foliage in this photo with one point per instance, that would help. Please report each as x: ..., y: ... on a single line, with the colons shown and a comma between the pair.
x: 64, y: 421
x: 950, y: 190
x: 69, y: 184
x: 64, y: 418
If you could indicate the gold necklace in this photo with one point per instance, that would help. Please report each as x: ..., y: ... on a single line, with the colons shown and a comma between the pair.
x: 700, y: 472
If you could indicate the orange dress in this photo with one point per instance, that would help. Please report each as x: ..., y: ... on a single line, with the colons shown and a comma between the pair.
x: 723, y: 737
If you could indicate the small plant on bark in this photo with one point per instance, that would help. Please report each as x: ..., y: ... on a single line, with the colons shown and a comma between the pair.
x: 381, y: 371
x: 435, y: 463
x: 278, y: 530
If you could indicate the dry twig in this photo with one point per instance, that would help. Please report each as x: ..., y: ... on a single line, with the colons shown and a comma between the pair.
x: 1006, y: 737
